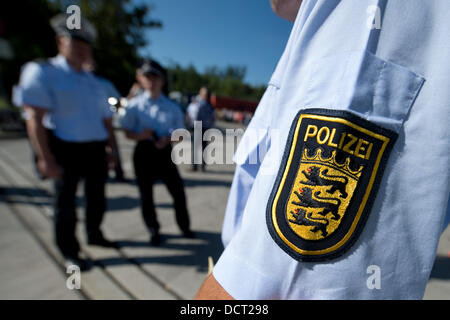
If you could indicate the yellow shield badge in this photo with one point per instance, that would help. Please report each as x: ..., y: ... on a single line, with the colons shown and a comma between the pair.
x: 328, y: 179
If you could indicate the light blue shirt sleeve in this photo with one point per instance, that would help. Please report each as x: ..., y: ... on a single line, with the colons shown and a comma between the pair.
x: 107, y: 112
x: 33, y: 87
x: 110, y: 88
x: 248, y: 157
x: 192, y: 110
x: 335, y: 60
x: 106, y: 108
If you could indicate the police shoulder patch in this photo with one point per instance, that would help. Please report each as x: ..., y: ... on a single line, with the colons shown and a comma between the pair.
x: 327, y: 182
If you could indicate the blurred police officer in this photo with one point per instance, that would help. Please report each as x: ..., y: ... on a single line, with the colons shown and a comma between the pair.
x: 149, y: 119
x: 114, y: 100
x: 200, y: 110
x: 76, y: 148
x: 340, y: 216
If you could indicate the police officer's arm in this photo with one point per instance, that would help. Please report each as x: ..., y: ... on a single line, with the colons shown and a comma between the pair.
x: 109, y: 127
x: 111, y: 148
x: 129, y: 123
x: 39, y: 141
x: 286, y: 9
x: 212, y: 290
x: 176, y: 122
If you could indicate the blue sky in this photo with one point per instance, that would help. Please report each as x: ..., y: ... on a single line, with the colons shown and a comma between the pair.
x: 218, y: 32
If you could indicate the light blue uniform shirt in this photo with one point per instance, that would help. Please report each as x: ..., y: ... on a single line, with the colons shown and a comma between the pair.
x: 397, y: 77
x: 161, y: 115
x: 110, y: 88
x: 76, y: 101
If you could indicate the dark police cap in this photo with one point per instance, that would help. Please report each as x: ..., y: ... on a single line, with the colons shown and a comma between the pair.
x: 86, y: 32
x: 148, y: 66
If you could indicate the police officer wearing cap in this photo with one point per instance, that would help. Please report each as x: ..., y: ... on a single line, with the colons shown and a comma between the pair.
x: 76, y: 148
x: 149, y: 119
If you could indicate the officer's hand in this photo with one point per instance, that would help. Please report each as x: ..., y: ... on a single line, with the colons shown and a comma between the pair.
x: 111, y: 158
x: 49, y: 169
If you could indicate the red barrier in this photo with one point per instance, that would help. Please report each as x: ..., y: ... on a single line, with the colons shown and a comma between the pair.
x: 233, y: 104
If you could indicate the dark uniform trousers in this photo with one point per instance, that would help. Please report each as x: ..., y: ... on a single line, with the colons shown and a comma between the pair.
x: 151, y: 164
x: 78, y: 160
x: 195, y: 150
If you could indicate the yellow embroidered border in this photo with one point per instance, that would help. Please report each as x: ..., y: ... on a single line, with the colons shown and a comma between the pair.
x: 366, y: 195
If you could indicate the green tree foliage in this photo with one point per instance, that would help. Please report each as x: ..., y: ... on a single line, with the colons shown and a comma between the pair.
x: 25, y: 25
x: 121, y: 26
x: 227, y: 81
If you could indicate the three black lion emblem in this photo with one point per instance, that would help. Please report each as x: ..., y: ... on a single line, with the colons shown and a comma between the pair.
x: 306, y: 199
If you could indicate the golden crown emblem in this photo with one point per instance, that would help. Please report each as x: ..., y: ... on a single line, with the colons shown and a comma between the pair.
x: 331, y: 161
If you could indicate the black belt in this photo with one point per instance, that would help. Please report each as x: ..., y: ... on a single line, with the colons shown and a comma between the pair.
x: 76, y: 143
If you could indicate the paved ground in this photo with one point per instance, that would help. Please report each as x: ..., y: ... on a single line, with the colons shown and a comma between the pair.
x: 30, y: 267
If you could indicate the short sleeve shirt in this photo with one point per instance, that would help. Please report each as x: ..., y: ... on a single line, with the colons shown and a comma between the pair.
x: 393, y: 74
x: 76, y: 101
x: 161, y: 115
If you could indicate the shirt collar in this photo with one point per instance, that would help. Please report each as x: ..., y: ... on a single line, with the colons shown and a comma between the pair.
x: 147, y: 96
x: 61, y: 61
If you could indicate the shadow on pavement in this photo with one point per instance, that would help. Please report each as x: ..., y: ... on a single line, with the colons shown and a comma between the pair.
x: 213, y: 171
x: 23, y: 195
x: 198, y: 254
x: 189, y: 182
x: 204, y: 182
x: 122, y: 203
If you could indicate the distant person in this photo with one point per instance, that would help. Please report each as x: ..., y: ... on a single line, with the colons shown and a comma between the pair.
x: 82, y: 133
x: 150, y: 119
x: 200, y: 109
